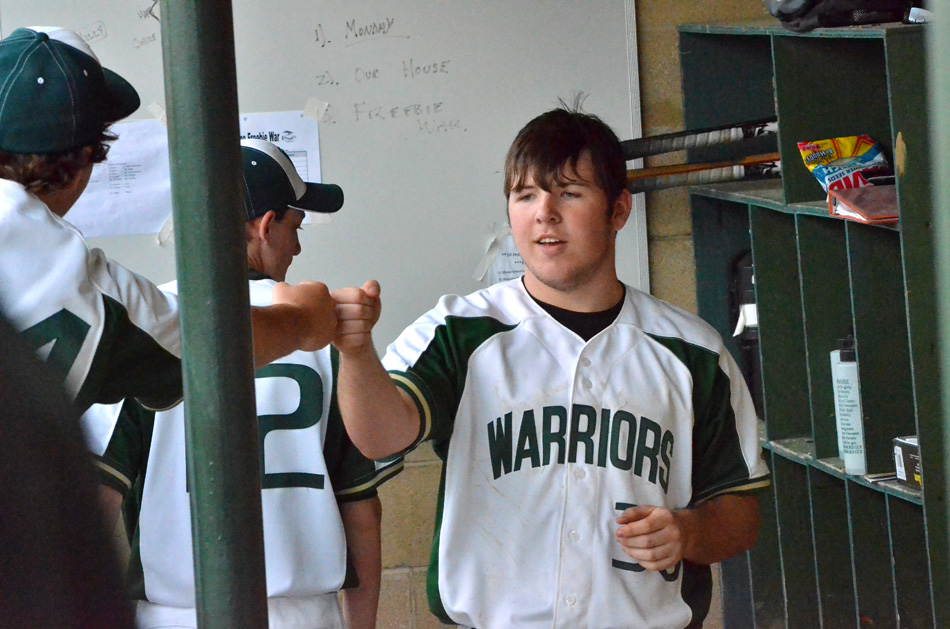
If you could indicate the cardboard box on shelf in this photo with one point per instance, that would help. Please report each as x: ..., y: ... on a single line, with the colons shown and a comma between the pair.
x: 907, y: 461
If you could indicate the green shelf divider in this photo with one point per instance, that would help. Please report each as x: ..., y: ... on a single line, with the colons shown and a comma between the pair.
x: 871, y: 555
x: 823, y: 258
x: 795, y: 542
x: 880, y: 326
x: 765, y: 567
x: 909, y: 552
x: 829, y: 516
x: 781, y: 328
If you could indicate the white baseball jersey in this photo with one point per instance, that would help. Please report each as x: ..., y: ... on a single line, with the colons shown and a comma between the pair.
x: 109, y: 332
x: 546, y: 439
x: 308, y: 466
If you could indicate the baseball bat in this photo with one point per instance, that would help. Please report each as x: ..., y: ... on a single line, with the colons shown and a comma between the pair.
x: 676, y: 169
x: 681, y: 140
x: 662, y: 177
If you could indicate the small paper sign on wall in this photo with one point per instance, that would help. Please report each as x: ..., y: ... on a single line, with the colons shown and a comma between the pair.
x: 130, y: 192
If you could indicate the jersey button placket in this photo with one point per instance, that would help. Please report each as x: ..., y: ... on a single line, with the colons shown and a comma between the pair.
x: 577, y: 554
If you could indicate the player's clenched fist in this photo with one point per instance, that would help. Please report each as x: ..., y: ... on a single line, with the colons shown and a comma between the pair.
x: 357, y: 311
x: 652, y: 536
x: 316, y: 319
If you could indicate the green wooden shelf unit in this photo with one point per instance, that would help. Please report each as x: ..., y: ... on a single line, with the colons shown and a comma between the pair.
x: 835, y: 550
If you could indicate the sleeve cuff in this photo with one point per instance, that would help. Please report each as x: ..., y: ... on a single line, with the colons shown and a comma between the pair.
x: 112, y: 477
x: 367, y: 488
x: 748, y: 485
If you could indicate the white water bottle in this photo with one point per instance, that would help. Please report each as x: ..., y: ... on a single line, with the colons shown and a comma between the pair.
x: 849, y: 419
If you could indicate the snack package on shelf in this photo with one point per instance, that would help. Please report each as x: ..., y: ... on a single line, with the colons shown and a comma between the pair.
x: 847, y: 162
x: 874, y: 205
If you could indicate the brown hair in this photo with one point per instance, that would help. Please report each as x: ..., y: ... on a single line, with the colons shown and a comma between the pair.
x: 51, y: 172
x: 555, y: 140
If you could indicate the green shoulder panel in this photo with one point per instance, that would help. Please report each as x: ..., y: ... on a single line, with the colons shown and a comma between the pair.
x: 130, y: 363
x: 718, y: 462
x: 436, y: 380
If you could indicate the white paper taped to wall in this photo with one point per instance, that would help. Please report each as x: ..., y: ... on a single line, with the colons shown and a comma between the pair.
x: 130, y: 193
x: 168, y: 229
x: 501, y: 261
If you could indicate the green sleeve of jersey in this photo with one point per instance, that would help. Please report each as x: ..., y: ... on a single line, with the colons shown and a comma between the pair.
x: 354, y: 477
x: 366, y: 487
x: 427, y: 407
x: 718, y: 462
x: 126, y: 454
x: 435, y: 381
x: 130, y: 364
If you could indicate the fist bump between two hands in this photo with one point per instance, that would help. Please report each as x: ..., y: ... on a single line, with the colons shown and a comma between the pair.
x: 344, y: 317
x: 357, y: 311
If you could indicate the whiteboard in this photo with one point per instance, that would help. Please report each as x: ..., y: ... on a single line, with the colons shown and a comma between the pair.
x: 420, y: 101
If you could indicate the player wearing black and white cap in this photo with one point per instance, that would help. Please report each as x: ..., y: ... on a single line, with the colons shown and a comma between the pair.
x: 319, y: 499
x: 599, y: 445
x: 109, y: 333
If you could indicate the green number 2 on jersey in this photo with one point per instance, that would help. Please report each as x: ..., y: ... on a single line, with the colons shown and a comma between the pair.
x: 306, y: 415
x: 66, y: 332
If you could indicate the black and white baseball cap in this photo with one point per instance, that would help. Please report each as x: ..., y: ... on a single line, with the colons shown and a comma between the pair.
x: 54, y: 93
x: 271, y: 183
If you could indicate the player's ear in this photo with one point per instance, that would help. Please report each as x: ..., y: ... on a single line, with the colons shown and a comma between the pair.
x: 76, y: 181
x: 266, y: 222
x: 80, y: 176
x: 622, y: 208
x: 86, y: 156
x: 257, y: 229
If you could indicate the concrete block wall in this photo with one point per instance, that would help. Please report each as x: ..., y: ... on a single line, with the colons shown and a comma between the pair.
x: 408, y: 518
x: 409, y: 500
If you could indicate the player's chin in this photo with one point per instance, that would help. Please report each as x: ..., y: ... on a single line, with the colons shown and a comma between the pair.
x: 558, y: 279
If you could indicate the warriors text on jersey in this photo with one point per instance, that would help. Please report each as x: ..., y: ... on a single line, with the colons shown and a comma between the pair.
x: 547, y: 439
x: 308, y: 466
x: 108, y: 332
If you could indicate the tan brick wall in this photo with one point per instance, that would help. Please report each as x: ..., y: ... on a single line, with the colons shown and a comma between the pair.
x: 408, y: 518
x: 669, y: 234
x: 409, y: 500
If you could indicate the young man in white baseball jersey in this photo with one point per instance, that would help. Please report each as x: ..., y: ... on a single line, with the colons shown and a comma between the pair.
x: 321, y: 512
x: 109, y: 333
x: 599, y: 445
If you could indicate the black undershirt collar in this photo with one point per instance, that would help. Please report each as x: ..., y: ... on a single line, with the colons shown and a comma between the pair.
x: 586, y: 325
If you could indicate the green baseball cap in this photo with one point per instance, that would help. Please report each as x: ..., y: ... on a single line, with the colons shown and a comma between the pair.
x: 271, y: 183
x: 54, y: 93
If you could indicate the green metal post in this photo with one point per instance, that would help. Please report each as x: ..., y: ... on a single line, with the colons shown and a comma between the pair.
x: 220, y: 415
x: 936, y: 457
